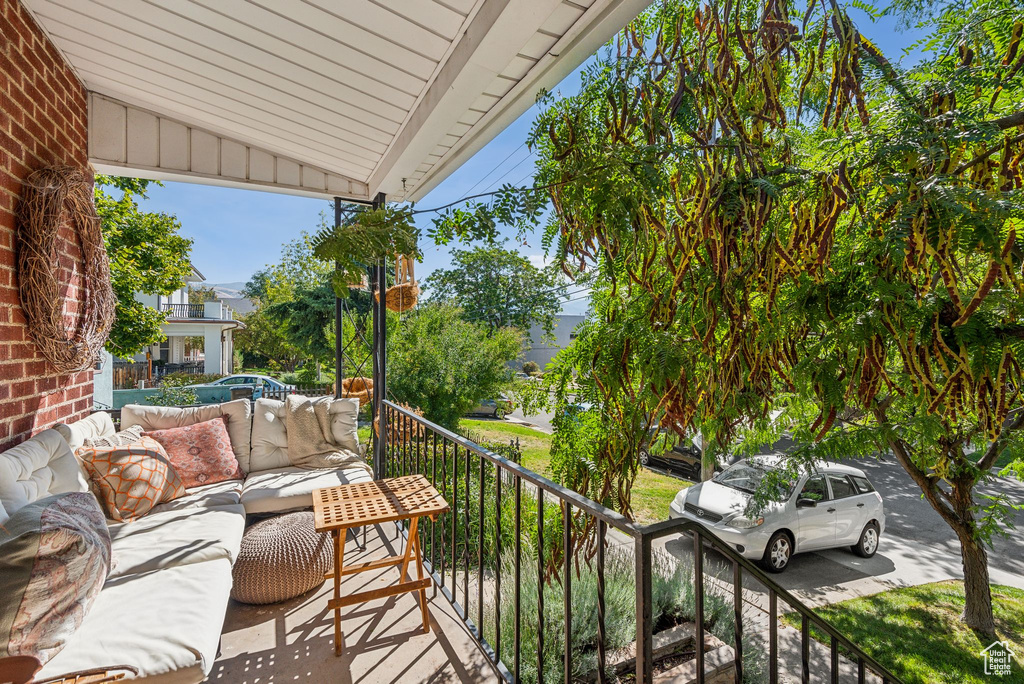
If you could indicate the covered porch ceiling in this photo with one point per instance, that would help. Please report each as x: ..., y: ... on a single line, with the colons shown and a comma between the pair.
x: 315, y: 97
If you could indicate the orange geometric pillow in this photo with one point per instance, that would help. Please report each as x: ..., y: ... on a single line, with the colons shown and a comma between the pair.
x: 132, y: 479
x: 201, y: 453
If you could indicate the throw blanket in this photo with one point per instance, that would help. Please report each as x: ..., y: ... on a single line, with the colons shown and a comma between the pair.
x: 311, y: 442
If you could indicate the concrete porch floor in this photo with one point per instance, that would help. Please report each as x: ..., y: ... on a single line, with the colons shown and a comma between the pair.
x: 383, y: 640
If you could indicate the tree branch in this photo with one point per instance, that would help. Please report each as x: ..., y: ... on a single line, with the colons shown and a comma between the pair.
x: 928, y: 486
x: 1010, y: 121
x: 986, y: 462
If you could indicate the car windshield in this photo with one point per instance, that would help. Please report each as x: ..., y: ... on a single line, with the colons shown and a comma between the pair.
x: 746, y: 476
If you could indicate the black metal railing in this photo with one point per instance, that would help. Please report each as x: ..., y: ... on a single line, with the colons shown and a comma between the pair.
x: 465, y: 556
x: 306, y: 390
x: 185, y: 310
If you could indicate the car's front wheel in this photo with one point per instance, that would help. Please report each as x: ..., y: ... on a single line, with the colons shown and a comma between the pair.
x: 867, y: 545
x: 645, y: 457
x: 778, y: 552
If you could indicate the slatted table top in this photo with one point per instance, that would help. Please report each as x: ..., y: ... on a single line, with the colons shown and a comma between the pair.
x: 368, y: 503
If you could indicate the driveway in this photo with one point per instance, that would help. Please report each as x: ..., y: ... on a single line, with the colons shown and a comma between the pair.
x: 917, y: 546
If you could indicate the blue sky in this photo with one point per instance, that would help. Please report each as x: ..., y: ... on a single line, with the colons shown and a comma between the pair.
x: 237, y: 232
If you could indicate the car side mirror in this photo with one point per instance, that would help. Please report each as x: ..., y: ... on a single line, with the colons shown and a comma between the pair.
x: 804, y: 502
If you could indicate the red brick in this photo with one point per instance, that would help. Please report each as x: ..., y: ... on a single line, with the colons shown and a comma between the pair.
x: 43, y: 118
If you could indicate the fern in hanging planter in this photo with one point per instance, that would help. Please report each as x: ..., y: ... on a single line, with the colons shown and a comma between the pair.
x: 369, y: 237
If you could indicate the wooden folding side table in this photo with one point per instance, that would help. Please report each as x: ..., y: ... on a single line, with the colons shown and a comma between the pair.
x: 336, y: 509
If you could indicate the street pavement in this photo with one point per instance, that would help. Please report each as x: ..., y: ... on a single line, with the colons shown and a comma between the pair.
x: 917, y: 546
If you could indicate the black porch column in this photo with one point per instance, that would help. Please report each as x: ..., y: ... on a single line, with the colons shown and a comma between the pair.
x: 338, y: 342
x: 380, y: 336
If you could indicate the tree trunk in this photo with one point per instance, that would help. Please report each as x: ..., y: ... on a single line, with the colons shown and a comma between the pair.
x: 707, y: 461
x: 960, y: 517
x: 978, y: 597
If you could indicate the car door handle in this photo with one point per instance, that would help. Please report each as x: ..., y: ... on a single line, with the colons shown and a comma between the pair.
x: 831, y: 510
x: 860, y: 505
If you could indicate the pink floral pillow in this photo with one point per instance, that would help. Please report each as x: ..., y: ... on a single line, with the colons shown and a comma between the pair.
x: 201, y: 453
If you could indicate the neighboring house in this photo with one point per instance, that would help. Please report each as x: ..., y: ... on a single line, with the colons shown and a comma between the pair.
x: 541, y: 348
x: 240, y: 305
x: 213, y: 321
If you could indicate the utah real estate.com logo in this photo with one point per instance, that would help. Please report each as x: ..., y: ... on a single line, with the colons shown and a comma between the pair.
x: 998, y: 659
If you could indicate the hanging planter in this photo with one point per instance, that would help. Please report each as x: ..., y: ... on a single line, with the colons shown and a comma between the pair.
x: 54, y: 197
x: 357, y: 388
x: 403, y: 295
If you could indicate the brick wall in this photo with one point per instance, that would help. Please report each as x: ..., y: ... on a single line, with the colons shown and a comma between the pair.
x: 42, y: 121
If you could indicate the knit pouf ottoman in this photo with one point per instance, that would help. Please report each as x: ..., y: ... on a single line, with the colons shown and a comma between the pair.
x: 281, y: 558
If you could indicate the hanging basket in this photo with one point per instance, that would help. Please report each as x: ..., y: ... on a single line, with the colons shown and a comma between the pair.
x: 54, y: 197
x: 358, y: 388
x: 401, y: 298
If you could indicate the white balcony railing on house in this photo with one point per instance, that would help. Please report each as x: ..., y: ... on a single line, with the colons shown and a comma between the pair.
x: 208, y: 310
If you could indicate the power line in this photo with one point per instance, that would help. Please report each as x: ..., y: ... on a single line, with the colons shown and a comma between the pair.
x: 525, y: 159
x: 475, y: 185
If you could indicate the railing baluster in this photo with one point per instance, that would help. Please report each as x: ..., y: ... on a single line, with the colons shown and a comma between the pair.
x: 516, y: 643
x: 773, y: 637
x: 540, y: 586
x: 465, y: 537
x: 805, y: 649
x: 433, y: 523
x: 737, y: 610
x: 834, y: 646
x: 644, y: 616
x: 602, y: 529
x: 480, y: 554
x: 567, y: 594
x: 497, y: 562
x: 860, y: 671
x: 698, y: 600
x: 444, y: 482
x: 455, y: 519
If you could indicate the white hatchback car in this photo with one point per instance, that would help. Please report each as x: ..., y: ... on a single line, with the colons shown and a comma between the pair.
x: 833, y: 506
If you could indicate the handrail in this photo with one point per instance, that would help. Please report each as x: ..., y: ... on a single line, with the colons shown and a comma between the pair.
x: 642, y: 536
x: 184, y: 310
x: 665, y: 527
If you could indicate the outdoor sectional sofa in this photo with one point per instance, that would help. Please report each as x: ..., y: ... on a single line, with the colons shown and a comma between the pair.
x: 162, y: 607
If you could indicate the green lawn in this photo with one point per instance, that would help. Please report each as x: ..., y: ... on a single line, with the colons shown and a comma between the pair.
x: 916, y: 631
x: 652, y: 492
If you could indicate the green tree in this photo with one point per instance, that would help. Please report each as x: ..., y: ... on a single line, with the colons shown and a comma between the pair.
x: 261, y: 343
x: 809, y: 228
x: 200, y: 294
x: 307, y: 321
x: 499, y: 288
x: 444, y: 365
x: 147, y: 255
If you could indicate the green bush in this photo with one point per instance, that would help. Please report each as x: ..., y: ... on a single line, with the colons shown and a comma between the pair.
x: 672, y: 603
x: 173, y: 396
x: 531, y: 367
x: 180, y: 379
x: 441, y: 364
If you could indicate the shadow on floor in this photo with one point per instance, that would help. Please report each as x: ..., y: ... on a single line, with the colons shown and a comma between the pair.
x: 383, y: 640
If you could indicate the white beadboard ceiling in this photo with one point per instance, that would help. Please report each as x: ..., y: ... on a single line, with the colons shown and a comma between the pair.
x: 364, y: 96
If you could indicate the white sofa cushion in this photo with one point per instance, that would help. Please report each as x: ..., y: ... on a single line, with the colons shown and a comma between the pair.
x: 270, y: 433
x: 37, y: 468
x: 282, y: 489
x: 172, y: 538
x: 94, y: 426
x: 165, y: 623
x: 345, y: 423
x: 237, y: 415
x: 226, y: 493
x: 269, y: 436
